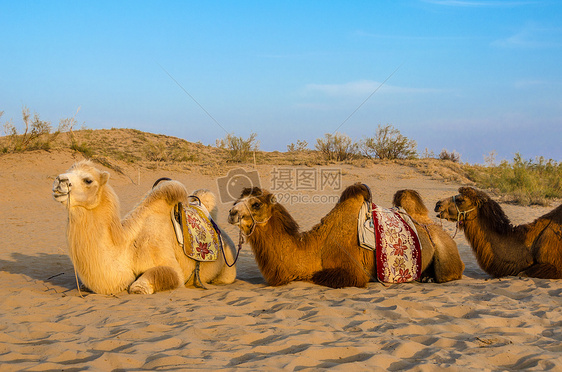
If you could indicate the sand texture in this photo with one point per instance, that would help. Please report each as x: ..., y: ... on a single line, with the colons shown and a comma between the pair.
x: 474, y: 324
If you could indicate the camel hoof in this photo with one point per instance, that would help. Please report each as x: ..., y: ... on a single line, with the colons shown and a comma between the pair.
x: 140, y: 288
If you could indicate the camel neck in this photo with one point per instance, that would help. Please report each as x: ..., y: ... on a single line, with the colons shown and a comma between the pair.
x: 102, y: 223
x: 497, y: 251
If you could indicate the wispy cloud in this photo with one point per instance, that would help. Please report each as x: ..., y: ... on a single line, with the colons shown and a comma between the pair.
x: 480, y: 4
x: 532, y: 36
x: 361, y: 88
x: 362, y: 33
x: 523, y: 84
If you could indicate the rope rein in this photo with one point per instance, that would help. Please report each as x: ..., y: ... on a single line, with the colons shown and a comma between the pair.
x: 73, y: 266
x: 254, y: 222
x: 463, y: 214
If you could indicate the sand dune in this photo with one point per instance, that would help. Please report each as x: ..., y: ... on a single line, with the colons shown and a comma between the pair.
x: 476, y: 323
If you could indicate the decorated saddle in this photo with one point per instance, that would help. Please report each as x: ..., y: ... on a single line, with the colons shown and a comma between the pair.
x: 393, y: 236
x: 196, y: 232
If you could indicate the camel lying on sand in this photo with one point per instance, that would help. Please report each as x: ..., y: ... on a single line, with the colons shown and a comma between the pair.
x: 445, y: 263
x: 139, y: 252
x: 329, y: 254
x: 501, y: 249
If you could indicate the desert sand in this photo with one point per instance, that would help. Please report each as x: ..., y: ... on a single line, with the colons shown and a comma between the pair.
x: 474, y: 324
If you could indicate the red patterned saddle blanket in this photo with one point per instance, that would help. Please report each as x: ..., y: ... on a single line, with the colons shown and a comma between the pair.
x: 393, y: 236
x: 196, y: 232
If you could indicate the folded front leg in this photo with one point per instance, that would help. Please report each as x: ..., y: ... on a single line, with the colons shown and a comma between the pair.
x: 156, y: 279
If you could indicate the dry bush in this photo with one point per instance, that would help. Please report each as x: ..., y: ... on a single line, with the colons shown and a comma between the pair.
x: 36, y: 134
x: 155, y: 151
x: 389, y: 143
x: 239, y: 149
x: 526, y: 181
x: 337, y: 147
x: 452, y: 156
x: 299, y: 146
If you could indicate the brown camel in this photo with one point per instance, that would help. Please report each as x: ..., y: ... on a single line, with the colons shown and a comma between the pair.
x: 501, y: 249
x: 329, y: 254
x: 445, y: 263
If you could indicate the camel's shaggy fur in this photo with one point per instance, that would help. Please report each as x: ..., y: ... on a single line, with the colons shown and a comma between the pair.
x: 439, y: 248
x: 501, y: 249
x: 139, y: 252
x: 329, y: 254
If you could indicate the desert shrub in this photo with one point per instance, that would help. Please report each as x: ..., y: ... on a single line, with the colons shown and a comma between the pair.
x: 183, y: 153
x: 83, y: 148
x: 239, y: 149
x: 155, y: 152
x: 337, y: 147
x: 526, y: 181
x: 452, y: 156
x: 36, y: 135
x: 299, y: 146
x: 389, y: 143
x: 427, y: 154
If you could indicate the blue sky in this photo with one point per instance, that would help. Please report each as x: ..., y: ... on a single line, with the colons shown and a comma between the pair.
x: 467, y: 76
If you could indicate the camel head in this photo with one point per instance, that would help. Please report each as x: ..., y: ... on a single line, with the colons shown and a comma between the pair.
x: 80, y: 185
x: 459, y: 206
x: 253, y: 208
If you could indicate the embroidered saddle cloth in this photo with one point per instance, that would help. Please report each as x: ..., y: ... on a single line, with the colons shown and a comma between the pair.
x: 196, y: 231
x: 393, y: 236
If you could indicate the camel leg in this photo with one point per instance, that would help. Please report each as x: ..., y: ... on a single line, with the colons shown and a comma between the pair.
x: 428, y: 275
x: 155, y: 279
x: 340, y: 277
x: 345, y: 266
x: 447, y: 264
x: 427, y: 250
x: 541, y: 270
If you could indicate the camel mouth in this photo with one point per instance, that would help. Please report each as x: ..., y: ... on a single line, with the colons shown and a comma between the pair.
x: 232, y: 221
x: 445, y: 217
x: 60, y: 196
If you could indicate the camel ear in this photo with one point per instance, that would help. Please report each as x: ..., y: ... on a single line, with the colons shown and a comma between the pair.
x: 476, y: 197
x: 272, y: 199
x: 481, y: 199
x: 104, y: 176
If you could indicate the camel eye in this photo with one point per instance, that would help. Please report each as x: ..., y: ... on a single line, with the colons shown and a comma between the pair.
x: 88, y: 181
x: 256, y: 205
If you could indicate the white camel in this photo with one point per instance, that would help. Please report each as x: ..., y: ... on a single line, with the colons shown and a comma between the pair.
x: 139, y: 252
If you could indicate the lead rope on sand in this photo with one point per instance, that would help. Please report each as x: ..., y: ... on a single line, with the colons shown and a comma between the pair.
x: 73, y: 266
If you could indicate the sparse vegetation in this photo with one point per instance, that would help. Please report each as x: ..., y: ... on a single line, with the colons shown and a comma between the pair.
x: 521, y: 181
x: 525, y: 181
x: 389, y: 143
x: 36, y: 135
x: 338, y: 147
x: 452, y: 156
x: 239, y: 149
x: 299, y: 146
x: 427, y: 154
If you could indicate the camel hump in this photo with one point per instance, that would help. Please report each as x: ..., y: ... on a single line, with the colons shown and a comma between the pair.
x: 355, y: 190
x: 209, y: 200
x: 411, y: 201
